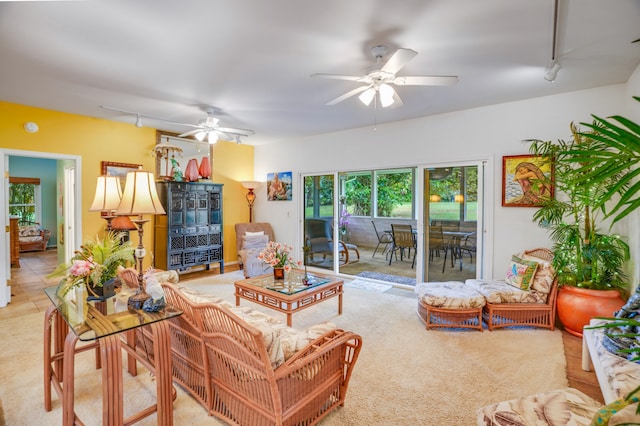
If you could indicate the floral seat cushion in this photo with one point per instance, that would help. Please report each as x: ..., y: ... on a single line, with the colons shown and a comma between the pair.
x: 450, y: 295
x: 281, y: 341
x: 560, y: 407
x: 495, y: 291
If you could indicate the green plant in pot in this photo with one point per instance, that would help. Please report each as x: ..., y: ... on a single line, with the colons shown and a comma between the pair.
x: 589, y: 262
x: 95, y: 266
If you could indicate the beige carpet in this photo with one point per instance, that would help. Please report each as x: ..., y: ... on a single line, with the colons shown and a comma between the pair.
x: 405, y: 375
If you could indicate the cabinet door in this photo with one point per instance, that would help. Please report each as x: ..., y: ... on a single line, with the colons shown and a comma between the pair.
x: 177, y: 210
x: 215, y: 202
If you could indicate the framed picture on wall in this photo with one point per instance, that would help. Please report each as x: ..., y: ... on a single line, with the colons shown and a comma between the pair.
x: 279, y: 186
x: 118, y: 169
x: 527, y: 180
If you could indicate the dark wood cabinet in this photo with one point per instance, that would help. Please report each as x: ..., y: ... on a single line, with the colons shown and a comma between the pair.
x: 190, y: 234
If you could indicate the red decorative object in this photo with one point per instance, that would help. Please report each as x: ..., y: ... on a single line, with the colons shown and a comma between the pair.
x: 205, y: 168
x: 576, y: 306
x: 278, y: 274
x: 191, y: 173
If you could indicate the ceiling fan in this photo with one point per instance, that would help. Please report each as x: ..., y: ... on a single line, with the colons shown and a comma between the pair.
x: 206, y: 129
x: 209, y: 129
x: 379, y: 81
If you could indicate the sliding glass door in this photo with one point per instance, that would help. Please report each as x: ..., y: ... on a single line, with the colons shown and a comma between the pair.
x: 452, y: 223
x: 318, y: 221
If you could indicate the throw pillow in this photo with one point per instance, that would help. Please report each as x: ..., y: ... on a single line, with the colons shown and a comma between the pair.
x: 254, y: 241
x: 521, y: 272
x: 248, y: 233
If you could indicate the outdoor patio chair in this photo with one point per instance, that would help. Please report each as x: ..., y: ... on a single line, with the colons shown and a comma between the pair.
x: 384, y: 238
x: 403, y: 239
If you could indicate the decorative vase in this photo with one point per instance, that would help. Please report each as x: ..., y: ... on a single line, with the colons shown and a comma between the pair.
x: 577, y: 306
x: 103, y: 292
x: 191, y: 173
x: 205, y: 168
x: 278, y: 274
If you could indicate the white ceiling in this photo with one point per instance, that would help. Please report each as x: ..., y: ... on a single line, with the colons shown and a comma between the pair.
x: 252, y: 59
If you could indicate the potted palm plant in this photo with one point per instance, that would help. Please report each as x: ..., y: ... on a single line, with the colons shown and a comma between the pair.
x: 588, y: 261
x: 95, y: 266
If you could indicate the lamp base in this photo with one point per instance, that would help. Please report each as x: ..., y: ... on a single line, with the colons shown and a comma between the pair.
x: 137, y: 300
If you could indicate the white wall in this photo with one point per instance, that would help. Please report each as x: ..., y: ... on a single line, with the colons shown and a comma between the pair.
x: 480, y: 133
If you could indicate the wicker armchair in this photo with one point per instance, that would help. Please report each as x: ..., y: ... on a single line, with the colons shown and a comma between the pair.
x: 222, y: 361
x: 542, y: 315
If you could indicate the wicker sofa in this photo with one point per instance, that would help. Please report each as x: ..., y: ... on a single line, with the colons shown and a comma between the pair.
x: 505, y: 305
x: 247, y: 368
x: 31, y: 237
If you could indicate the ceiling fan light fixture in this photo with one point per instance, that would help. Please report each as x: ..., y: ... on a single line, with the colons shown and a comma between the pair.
x: 200, y: 135
x: 213, y: 137
x: 386, y: 95
x: 551, y: 75
x: 367, y: 96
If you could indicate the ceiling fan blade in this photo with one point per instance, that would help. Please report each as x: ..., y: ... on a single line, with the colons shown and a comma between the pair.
x: 337, y: 77
x: 190, y: 132
x: 426, y: 80
x: 398, y: 60
x: 348, y: 95
x: 241, y: 132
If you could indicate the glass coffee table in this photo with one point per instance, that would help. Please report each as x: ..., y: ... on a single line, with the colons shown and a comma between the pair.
x: 290, y: 295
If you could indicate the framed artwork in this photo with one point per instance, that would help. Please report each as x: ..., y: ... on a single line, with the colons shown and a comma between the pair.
x: 527, y: 180
x: 279, y: 186
x: 119, y: 169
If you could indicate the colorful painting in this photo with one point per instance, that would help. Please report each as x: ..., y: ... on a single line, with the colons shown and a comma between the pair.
x: 527, y: 180
x: 119, y: 169
x: 279, y: 186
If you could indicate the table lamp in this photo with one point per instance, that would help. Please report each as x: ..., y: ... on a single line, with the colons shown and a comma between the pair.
x: 140, y: 197
x: 251, y: 196
x: 107, y: 198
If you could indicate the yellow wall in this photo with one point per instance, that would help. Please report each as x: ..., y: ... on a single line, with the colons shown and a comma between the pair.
x: 97, y: 140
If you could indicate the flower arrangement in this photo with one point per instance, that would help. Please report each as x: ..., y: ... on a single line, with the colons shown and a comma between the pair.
x: 95, y: 263
x: 278, y: 255
x: 344, y: 221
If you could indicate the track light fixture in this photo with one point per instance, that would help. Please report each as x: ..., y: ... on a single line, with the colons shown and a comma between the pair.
x: 138, y: 120
x: 553, y: 72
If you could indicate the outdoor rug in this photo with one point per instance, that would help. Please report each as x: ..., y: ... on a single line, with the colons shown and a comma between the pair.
x: 386, y: 277
x: 369, y: 286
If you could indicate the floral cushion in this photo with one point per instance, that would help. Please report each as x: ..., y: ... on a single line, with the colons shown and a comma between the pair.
x: 520, y: 272
x: 281, y: 341
x: 498, y: 291
x: 451, y: 295
x: 560, y: 407
x: 29, y: 231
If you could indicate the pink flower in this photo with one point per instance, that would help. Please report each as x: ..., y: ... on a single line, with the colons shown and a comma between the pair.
x: 81, y: 268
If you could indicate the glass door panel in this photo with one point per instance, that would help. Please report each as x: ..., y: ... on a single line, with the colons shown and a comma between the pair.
x: 319, y: 199
x: 451, y: 223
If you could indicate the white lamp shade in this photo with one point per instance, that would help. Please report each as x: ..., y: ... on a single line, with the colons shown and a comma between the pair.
x: 367, y: 96
x: 213, y: 137
x: 108, y: 194
x: 386, y: 95
x: 250, y: 184
x: 140, y: 195
x: 200, y: 135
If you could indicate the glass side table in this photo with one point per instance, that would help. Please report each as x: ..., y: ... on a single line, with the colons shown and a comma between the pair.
x: 69, y: 320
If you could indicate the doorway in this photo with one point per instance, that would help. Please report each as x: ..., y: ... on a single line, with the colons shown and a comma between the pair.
x: 69, y: 194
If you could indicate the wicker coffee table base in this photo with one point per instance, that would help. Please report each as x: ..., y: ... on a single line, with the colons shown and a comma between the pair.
x: 450, y: 318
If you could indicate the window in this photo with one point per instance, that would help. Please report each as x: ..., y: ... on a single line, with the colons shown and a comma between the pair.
x: 454, y: 194
x: 394, y: 193
x: 24, y: 199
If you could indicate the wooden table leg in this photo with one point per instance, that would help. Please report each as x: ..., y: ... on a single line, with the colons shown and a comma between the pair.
x: 164, y: 381
x: 340, y: 300
x: 68, y: 413
x: 112, y: 401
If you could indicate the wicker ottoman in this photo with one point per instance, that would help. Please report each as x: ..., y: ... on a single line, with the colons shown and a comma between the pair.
x: 449, y: 304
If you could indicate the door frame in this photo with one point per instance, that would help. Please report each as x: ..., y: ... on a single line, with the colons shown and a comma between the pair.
x: 5, y: 273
